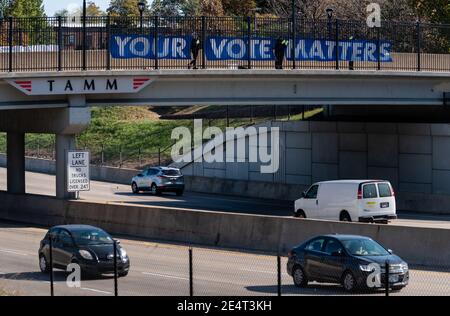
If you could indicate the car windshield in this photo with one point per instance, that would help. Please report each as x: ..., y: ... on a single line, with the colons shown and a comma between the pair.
x: 91, y: 237
x: 171, y: 172
x: 364, y: 247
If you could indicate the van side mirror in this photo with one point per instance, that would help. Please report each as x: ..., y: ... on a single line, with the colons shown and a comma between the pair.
x: 390, y: 251
x: 303, y: 194
x: 140, y: 175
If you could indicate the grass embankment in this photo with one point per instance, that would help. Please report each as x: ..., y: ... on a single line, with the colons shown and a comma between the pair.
x: 135, y: 132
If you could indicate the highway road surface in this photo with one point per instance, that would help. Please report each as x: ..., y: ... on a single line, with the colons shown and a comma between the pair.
x: 108, y: 192
x: 162, y: 269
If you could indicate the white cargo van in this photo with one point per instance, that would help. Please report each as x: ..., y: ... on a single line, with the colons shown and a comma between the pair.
x: 348, y: 200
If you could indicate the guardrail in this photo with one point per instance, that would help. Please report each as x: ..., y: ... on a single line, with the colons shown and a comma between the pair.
x: 112, y: 43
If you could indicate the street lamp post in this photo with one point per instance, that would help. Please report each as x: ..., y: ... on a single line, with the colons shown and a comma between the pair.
x: 141, y: 7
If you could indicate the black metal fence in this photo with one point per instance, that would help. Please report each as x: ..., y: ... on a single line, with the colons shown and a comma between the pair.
x: 94, y: 43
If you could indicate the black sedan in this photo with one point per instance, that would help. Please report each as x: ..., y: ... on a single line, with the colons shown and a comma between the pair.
x: 87, y: 246
x: 356, y: 262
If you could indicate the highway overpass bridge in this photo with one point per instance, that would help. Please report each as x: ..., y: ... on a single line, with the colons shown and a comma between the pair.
x: 59, y: 102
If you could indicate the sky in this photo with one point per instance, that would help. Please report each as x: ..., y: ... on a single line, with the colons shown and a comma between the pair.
x: 51, y: 6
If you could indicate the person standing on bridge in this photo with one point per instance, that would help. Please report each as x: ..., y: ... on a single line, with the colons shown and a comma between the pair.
x: 195, y: 50
x: 280, y: 52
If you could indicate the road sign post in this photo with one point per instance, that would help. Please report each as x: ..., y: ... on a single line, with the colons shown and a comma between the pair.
x: 78, y: 175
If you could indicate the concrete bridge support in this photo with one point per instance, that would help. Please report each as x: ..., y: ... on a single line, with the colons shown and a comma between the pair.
x: 16, y: 162
x: 65, y: 123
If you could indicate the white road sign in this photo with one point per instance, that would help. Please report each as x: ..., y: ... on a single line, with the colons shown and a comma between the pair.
x: 78, y: 178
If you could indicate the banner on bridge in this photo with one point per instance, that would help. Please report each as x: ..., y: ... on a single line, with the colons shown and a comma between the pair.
x: 239, y: 48
x: 134, y: 46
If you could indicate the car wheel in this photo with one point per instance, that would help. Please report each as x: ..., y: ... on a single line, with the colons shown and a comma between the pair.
x: 397, y: 288
x: 345, y: 217
x: 43, y: 265
x: 134, y: 188
x: 349, y: 281
x: 180, y: 192
x: 154, y: 189
x: 300, y: 214
x: 299, y: 277
x: 123, y: 274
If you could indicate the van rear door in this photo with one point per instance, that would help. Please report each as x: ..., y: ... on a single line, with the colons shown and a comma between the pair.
x: 377, y: 198
x: 386, y: 197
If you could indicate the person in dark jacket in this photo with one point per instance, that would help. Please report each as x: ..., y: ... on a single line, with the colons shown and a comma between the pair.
x: 195, y: 50
x: 280, y: 52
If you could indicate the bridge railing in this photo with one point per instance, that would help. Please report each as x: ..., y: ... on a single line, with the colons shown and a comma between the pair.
x: 110, y: 43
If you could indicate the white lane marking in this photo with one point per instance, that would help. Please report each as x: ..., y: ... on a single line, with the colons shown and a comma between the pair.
x: 94, y: 290
x: 14, y: 252
x: 165, y: 276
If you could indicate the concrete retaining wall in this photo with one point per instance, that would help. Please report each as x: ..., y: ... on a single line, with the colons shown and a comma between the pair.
x: 406, y: 201
x: 98, y: 173
x: 413, y: 157
x: 423, y: 246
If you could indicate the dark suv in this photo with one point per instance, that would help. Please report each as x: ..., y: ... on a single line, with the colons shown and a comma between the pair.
x: 352, y: 261
x: 90, y: 247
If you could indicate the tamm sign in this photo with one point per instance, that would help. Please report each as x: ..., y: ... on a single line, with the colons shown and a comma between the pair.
x: 73, y: 85
x: 78, y: 178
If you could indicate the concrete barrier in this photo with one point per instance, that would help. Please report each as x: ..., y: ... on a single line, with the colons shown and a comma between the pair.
x: 98, y: 173
x: 421, y: 246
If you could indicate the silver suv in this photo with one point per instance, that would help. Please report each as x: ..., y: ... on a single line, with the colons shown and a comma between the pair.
x: 158, y: 180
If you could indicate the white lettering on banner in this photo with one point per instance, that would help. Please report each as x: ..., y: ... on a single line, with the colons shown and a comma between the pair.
x: 217, y: 50
x: 121, y: 43
x: 78, y: 178
x: 75, y: 85
x: 240, y: 44
x: 142, y: 52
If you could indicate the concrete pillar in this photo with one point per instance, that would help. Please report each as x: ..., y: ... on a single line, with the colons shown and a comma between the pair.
x: 64, y: 143
x: 16, y: 163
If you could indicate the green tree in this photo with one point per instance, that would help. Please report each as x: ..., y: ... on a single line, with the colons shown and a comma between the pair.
x: 239, y: 7
x: 191, y: 7
x: 62, y: 13
x: 202, y: 7
x: 168, y: 7
x: 436, y: 11
x: 4, y: 8
x: 212, y: 7
x: 124, y: 8
x: 27, y: 8
x: 93, y: 10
